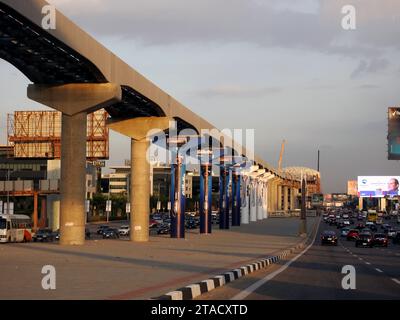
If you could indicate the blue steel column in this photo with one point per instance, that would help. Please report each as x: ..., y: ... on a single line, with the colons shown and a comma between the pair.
x: 205, y: 198
x: 224, y: 197
x: 178, y: 199
x: 236, y: 202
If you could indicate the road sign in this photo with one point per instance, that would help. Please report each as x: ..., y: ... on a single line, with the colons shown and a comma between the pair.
x: 87, y: 206
x: 108, y: 205
x: 99, y: 164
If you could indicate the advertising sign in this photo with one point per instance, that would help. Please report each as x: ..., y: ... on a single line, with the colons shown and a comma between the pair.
x: 352, y: 188
x: 378, y: 186
x: 317, y: 199
x: 393, y: 134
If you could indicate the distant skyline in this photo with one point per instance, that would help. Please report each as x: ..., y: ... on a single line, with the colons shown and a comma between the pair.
x: 284, y: 68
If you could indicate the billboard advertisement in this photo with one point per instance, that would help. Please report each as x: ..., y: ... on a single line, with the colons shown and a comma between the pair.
x: 352, y: 188
x: 393, y: 134
x: 378, y: 186
x: 317, y: 199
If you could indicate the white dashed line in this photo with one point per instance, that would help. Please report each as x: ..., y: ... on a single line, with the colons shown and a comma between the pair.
x: 368, y: 263
x: 395, y: 280
x: 379, y: 270
x: 360, y: 259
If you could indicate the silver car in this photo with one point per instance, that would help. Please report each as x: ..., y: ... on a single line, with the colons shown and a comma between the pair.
x: 124, y: 230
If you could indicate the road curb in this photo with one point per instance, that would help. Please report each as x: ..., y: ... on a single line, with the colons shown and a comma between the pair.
x: 194, y: 290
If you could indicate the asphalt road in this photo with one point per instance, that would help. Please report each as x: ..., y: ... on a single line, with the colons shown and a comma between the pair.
x: 317, y: 275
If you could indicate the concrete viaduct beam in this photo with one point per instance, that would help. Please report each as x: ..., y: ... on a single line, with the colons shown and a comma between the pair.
x: 74, y: 101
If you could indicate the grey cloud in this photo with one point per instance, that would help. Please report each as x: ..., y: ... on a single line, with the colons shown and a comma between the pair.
x: 258, y: 22
x: 368, y: 86
x: 237, y: 92
x: 373, y: 66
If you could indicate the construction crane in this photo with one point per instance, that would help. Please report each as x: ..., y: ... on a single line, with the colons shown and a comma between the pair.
x: 281, y: 155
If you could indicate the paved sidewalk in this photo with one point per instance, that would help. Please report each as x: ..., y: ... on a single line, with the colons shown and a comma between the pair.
x: 119, y: 269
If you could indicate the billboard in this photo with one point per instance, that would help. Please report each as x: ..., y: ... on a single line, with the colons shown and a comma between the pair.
x: 352, y: 188
x: 317, y: 199
x: 393, y: 134
x: 378, y: 186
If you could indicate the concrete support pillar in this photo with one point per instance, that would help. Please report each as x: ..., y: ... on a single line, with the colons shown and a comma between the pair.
x: 270, y: 197
x: 260, y: 200
x: 140, y: 190
x: 279, y: 198
x: 55, y: 225
x: 74, y: 101
x: 245, y: 214
x: 253, y: 201
x: 73, y: 179
x: 292, y: 199
x: 285, y: 198
x: 138, y: 130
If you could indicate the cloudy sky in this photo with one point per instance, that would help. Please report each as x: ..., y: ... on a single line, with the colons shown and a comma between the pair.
x: 285, y: 68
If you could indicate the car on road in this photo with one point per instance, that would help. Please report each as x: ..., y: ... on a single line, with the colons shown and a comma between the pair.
x: 364, y: 240
x: 360, y: 226
x: 110, y: 233
x: 124, y: 230
x: 329, y: 237
x: 344, y: 232
x: 396, y: 238
x: 43, y: 235
x: 380, y: 239
x: 352, y: 235
x: 164, y: 228
x: 391, y: 232
x: 153, y: 223
x: 101, y: 229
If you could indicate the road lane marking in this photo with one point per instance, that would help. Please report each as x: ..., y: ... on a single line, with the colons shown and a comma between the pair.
x: 367, y: 263
x: 249, y: 290
x: 395, y: 280
x: 379, y: 270
x: 360, y: 259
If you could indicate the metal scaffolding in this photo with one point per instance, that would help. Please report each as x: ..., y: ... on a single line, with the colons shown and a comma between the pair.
x: 37, y: 134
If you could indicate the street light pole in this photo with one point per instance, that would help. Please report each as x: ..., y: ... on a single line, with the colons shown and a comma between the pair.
x: 303, y: 214
x: 8, y: 192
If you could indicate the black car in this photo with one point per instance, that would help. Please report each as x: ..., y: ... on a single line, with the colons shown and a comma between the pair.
x: 380, y: 239
x: 365, y: 240
x: 191, y: 224
x: 101, y: 229
x: 43, y: 235
x: 110, y: 234
x: 329, y: 237
x: 396, y: 238
x: 164, y: 229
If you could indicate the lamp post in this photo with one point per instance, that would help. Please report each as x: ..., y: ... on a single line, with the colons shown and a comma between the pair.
x: 303, y: 214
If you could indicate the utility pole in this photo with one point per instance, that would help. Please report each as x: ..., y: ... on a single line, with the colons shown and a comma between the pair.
x: 8, y: 192
x: 318, y: 161
x: 303, y: 214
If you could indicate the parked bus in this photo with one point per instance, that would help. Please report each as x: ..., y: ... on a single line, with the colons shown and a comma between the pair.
x: 15, y: 228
